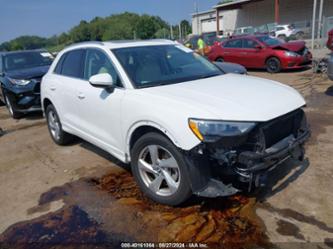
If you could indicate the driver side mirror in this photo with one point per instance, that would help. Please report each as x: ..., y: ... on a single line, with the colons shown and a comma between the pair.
x: 102, y: 80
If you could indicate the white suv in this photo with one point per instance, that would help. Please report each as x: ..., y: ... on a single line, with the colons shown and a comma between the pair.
x: 183, y: 124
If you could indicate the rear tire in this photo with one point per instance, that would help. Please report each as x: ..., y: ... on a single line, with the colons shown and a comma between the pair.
x: 220, y: 59
x: 160, y: 170
x: 273, y: 65
x: 12, y: 112
x: 58, y: 135
x: 282, y: 37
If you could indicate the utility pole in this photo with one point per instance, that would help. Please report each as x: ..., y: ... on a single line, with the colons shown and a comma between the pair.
x: 320, y: 19
x: 171, y: 32
x: 196, y: 9
x: 313, y: 23
x: 180, y: 31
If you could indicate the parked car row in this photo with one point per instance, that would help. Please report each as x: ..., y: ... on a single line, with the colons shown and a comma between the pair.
x: 262, y: 51
x: 293, y: 31
x: 183, y: 123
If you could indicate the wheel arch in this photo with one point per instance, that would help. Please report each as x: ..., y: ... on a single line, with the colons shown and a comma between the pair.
x: 140, y: 128
x: 46, y: 103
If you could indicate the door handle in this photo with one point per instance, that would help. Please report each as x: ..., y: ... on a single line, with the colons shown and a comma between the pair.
x: 53, y: 88
x: 81, y: 96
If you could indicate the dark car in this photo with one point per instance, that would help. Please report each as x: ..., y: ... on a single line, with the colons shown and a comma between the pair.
x: 20, y: 77
x: 262, y: 51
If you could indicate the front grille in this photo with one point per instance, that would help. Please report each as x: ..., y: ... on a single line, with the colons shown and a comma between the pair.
x: 282, y: 127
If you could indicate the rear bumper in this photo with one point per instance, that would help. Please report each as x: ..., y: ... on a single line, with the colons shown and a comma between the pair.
x: 232, y: 171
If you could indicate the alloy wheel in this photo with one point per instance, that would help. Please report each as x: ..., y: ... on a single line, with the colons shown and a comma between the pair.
x: 54, y: 125
x: 159, y: 170
x: 9, y: 106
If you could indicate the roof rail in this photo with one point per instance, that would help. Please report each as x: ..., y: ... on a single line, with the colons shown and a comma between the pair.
x: 86, y: 42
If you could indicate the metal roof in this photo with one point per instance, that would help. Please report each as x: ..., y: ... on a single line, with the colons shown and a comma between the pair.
x: 230, y: 4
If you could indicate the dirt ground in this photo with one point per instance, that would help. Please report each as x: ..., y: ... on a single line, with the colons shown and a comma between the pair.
x: 79, y: 195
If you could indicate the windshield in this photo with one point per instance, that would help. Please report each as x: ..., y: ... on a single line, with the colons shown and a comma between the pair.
x: 150, y: 66
x: 270, y: 41
x: 17, y: 61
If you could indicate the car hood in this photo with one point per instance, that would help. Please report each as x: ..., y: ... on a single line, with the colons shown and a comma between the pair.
x: 229, y: 97
x: 28, y: 73
x: 293, y: 46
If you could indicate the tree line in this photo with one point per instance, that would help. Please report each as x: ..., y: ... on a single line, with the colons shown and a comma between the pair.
x: 125, y: 26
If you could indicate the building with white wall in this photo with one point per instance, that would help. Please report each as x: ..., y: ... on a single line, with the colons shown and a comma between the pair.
x: 243, y: 13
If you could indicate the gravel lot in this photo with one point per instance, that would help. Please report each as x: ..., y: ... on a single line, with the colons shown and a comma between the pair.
x: 80, y: 194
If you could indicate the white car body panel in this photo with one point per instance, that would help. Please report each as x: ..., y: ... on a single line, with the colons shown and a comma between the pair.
x: 108, y: 120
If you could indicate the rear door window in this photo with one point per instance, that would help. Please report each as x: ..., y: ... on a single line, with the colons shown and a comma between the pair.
x: 233, y: 44
x: 72, y: 65
x: 248, y: 43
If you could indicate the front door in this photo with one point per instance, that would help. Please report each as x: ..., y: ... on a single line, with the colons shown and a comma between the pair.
x: 98, y: 107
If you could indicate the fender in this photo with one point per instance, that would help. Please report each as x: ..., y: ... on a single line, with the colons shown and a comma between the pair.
x: 141, y: 123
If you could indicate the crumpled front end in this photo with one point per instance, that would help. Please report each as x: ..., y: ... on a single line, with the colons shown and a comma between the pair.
x: 234, y: 164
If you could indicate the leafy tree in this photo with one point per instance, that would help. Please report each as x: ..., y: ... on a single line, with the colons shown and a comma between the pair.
x: 81, y: 32
x: 115, y: 27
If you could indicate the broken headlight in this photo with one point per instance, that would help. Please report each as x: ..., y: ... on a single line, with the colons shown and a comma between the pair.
x: 211, y: 131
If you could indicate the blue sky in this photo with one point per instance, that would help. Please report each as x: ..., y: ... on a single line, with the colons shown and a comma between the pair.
x: 49, y: 17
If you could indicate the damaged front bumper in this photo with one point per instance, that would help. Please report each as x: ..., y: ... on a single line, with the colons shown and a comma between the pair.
x: 217, y: 169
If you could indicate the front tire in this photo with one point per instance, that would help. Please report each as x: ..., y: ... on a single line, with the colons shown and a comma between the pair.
x: 160, y: 170
x: 273, y: 65
x: 58, y: 135
x: 12, y: 112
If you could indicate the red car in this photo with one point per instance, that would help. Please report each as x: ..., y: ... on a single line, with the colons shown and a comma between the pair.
x: 330, y: 40
x: 262, y: 51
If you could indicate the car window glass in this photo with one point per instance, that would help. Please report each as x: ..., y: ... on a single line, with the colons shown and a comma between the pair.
x: 280, y: 28
x: 72, y: 65
x: 22, y: 60
x: 98, y: 62
x: 150, y: 66
x: 58, y: 68
x: 233, y: 44
x: 247, y: 43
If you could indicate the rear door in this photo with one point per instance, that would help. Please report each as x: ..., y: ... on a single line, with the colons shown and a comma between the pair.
x: 68, y: 77
x: 232, y: 51
x: 253, y: 54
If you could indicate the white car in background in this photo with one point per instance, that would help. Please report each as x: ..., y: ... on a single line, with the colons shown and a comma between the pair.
x: 184, y: 125
x: 290, y: 32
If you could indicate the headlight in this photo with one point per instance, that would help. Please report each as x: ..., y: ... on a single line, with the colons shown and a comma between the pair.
x: 290, y: 54
x: 20, y: 82
x: 210, y: 131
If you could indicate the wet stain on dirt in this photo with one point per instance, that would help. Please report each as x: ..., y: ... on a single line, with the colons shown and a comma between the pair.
x: 70, y: 225
x: 289, y: 213
x: 112, y: 209
x: 287, y: 228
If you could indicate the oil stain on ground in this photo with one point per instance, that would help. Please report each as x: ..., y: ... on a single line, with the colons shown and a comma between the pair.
x: 107, y: 211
